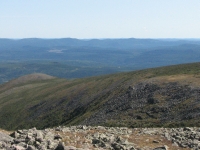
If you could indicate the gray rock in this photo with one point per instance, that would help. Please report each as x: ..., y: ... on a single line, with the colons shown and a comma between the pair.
x: 120, y: 140
x: 2, y: 145
x: 39, y: 136
x: 61, y: 146
x: 187, y: 129
x: 98, y: 143
x: 57, y: 137
x: 16, y: 147
x: 161, y: 148
x: 30, y: 147
x: 155, y: 141
x: 118, y: 146
x: 70, y: 148
x: 22, y: 144
x: 20, y: 131
x: 5, y: 138
x: 167, y: 135
x: 96, y: 135
x: 104, y: 138
x: 14, y: 134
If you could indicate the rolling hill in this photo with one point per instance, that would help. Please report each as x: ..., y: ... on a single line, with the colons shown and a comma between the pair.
x: 79, y: 58
x: 166, y: 96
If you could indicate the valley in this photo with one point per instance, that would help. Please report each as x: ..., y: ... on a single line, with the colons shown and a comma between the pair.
x: 75, y: 58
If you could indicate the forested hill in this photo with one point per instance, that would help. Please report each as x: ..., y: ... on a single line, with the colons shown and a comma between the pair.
x: 131, y: 43
x: 75, y: 58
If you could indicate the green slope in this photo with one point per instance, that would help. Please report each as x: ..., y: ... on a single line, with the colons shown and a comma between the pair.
x: 111, y: 100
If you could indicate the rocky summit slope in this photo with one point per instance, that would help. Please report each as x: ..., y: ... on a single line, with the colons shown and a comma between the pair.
x: 99, y: 137
x: 159, y: 97
x: 152, y: 104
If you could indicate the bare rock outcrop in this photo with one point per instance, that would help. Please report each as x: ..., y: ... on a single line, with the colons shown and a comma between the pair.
x: 99, y: 137
x: 170, y: 104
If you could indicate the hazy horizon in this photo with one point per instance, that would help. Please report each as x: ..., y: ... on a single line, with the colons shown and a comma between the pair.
x: 102, y: 38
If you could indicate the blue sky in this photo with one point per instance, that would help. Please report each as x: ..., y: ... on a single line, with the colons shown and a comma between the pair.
x: 100, y: 18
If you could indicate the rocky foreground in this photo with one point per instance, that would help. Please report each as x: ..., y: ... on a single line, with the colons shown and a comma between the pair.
x: 87, y: 137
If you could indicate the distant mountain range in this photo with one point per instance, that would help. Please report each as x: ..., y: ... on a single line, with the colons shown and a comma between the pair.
x: 75, y: 58
x: 165, y: 96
